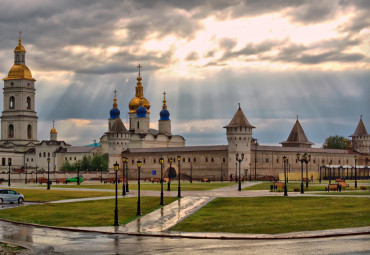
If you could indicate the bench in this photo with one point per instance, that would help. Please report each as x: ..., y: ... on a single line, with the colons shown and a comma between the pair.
x: 31, y: 180
x: 332, y: 187
x: 110, y: 180
x: 343, y: 184
x: 205, y: 180
x: 120, y: 180
x: 166, y: 179
x: 57, y: 181
x: 148, y: 179
x: 45, y: 181
x: 307, y: 180
x: 338, y: 180
x: 157, y: 180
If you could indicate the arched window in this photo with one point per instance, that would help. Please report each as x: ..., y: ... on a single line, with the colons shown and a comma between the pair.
x: 28, y: 103
x: 11, y: 102
x: 11, y: 131
x: 29, y: 131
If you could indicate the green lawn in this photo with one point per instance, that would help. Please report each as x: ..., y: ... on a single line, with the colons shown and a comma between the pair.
x: 186, y: 186
x: 83, y: 214
x: 347, y: 193
x: 272, y: 215
x: 43, y: 195
x: 316, y: 186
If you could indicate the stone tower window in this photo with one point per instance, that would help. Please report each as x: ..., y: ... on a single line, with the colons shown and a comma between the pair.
x: 28, y: 103
x: 11, y: 102
x: 11, y: 131
x: 29, y: 131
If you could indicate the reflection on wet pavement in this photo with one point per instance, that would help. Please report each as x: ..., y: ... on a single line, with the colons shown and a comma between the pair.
x: 50, y: 241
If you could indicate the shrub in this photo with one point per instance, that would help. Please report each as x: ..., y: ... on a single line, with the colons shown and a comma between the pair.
x: 296, y: 189
x: 363, y: 188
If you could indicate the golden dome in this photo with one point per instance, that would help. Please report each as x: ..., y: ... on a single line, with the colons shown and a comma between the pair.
x: 136, y: 101
x: 19, y: 71
x: 53, y: 130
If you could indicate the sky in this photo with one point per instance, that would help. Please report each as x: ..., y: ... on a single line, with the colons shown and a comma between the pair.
x: 277, y: 58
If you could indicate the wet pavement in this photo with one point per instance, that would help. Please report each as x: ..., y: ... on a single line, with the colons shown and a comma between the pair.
x: 50, y: 241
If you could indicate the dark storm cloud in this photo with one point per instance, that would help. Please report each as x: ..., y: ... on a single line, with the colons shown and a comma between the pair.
x: 333, y: 51
x: 192, y: 56
x: 313, y: 11
x: 227, y: 43
x: 252, y: 49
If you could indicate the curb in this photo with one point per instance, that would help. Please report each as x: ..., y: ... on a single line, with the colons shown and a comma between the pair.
x: 180, y: 235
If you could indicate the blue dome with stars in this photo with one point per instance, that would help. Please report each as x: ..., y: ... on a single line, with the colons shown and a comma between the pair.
x: 114, y: 113
x: 164, y: 114
x: 141, y: 112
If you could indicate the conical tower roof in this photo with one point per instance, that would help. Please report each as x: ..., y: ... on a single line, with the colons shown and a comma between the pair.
x: 118, y: 126
x: 360, y: 130
x: 239, y: 120
x: 297, y: 137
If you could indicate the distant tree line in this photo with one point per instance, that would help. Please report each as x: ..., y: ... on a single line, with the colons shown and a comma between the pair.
x: 87, y: 163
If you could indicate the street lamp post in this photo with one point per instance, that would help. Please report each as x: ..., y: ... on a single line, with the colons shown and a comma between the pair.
x: 123, y: 176
x: 127, y: 175
x: 320, y: 174
x: 25, y: 180
x: 169, y: 177
x: 240, y: 159
x: 179, y: 176
x: 78, y: 172
x: 48, y: 173
x: 285, y: 176
x: 9, y: 164
x: 161, y: 162
x: 304, y: 159
x: 355, y: 171
x: 138, y: 212
x: 116, y: 205
x: 329, y: 172
x: 309, y: 159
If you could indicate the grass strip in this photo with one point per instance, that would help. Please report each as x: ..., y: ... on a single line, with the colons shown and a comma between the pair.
x: 54, y: 195
x: 6, y: 248
x: 273, y: 215
x: 83, y: 214
x: 186, y: 186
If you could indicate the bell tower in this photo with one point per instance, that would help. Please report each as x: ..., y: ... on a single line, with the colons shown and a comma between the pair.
x: 19, y: 119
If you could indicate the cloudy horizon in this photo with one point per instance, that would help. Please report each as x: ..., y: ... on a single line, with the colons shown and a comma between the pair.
x: 277, y: 58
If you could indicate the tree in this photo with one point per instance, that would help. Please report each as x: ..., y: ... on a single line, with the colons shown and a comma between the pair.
x: 337, y: 142
x: 68, y: 167
x: 86, y: 163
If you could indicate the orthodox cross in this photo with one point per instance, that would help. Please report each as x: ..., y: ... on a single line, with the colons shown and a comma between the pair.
x: 164, y: 95
x: 139, y: 66
x: 239, y: 105
x: 115, y: 93
x: 20, y: 35
x: 53, y: 123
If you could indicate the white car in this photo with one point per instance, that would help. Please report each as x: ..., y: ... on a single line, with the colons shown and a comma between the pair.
x: 11, y: 196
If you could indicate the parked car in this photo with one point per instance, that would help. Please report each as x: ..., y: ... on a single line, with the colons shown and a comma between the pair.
x: 74, y: 179
x: 11, y: 196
